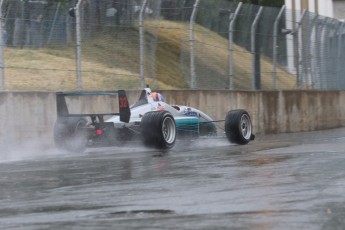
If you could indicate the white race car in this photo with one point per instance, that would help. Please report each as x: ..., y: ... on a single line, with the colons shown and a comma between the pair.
x: 155, y: 122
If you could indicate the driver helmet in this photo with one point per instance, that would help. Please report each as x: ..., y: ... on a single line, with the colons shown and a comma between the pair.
x: 157, y: 97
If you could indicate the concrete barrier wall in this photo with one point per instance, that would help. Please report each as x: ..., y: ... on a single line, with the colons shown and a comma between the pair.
x: 31, y: 115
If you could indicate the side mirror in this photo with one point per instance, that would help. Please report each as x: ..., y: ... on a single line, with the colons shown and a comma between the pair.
x: 71, y: 12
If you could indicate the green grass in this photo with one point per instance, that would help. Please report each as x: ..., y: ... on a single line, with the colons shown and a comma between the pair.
x: 111, y: 61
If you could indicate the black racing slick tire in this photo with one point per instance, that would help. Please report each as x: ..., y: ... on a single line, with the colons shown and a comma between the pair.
x: 238, y: 127
x: 158, y: 129
x: 70, y: 134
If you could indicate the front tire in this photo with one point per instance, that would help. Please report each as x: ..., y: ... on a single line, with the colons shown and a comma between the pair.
x: 70, y: 134
x: 158, y: 129
x: 238, y: 127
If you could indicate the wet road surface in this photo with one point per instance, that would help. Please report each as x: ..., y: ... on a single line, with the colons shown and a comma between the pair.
x: 276, y: 182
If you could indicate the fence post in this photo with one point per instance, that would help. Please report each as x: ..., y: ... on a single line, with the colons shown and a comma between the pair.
x: 296, y: 41
x: 333, y: 54
x: 320, y: 53
x: 232, y: 20
x: 275, y: 37
x: 253, y: 47
x: 142, y: 43
x: 313, y: 52
x: 2, y: 70
x: 78, y: 37
x: 191, y: 43
x: 339, y: 56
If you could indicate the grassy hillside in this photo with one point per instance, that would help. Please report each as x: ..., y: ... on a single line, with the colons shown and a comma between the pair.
x: 111, y: 61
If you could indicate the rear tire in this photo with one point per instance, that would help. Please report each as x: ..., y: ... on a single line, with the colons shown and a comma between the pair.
x: 238, y: 127
x: 70, y: 134
x: 158, y: 129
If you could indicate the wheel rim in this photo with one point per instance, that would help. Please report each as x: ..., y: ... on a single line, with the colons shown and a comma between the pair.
x: 169, y: 130
x: 246, y: 126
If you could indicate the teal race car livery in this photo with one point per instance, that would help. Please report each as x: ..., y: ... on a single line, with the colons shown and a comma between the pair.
x: 151, y: 120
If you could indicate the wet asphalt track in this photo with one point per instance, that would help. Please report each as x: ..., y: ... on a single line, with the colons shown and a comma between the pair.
x: 288, y: 181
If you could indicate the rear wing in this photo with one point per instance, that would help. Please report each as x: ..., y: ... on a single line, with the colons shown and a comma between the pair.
x: 124, y: 110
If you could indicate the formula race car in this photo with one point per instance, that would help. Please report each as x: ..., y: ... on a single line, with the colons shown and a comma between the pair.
x: 151, y: 120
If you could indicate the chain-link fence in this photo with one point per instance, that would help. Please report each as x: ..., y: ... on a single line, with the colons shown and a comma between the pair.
x: 209, y: 44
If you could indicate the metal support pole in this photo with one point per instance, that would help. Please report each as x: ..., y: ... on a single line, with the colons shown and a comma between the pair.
x: 318, y: 83
x: 336, y: 54
x: 232, y: 20
x: 333, y: 55
x: 2, y: 45
x: 296, y: 41
x: 253, y: 45
x: 78, y: 33
x: 142, y: 43
x: 340, y: 56
x: 275, y: 37
x: 313, y: 52
x: 191, y: 43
